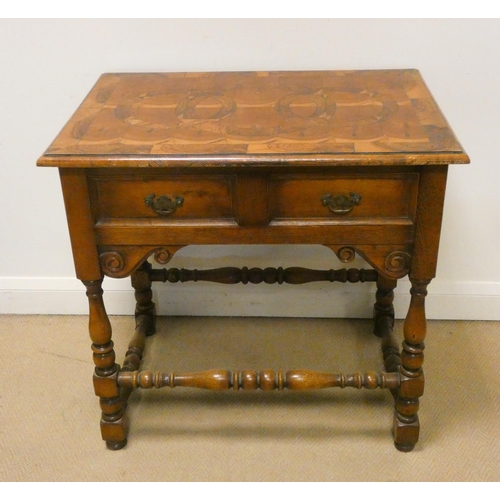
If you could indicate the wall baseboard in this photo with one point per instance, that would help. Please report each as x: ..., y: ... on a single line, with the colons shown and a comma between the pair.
x: 446, y: 300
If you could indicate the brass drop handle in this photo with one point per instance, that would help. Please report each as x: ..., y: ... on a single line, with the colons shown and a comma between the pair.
x: 163, y: 205
x: 342, y: 203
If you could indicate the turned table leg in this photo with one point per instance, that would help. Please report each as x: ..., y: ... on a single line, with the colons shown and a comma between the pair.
x: 145, y: 323
x: 383, y: 317
x: 145, y: 317
x: 406, y: 424
x: 114, y: 426
x: 383, y: 310
x: 141, y: 282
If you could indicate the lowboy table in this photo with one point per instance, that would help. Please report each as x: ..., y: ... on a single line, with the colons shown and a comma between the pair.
x: 354, y: 160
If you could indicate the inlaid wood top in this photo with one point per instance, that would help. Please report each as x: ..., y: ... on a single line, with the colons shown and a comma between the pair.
x: 352, y: 117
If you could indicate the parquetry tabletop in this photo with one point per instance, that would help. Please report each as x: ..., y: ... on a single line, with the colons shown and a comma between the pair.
x: 359, y: 116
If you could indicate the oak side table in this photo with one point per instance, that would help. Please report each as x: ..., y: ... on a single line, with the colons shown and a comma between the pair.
x: 354, y: 160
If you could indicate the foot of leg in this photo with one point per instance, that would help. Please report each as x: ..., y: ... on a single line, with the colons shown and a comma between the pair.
x: 116, y: 446
x: 115, y: 433
x: 406, y: 426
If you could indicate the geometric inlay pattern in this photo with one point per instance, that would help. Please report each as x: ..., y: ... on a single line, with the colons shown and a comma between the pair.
x: 313, y: 112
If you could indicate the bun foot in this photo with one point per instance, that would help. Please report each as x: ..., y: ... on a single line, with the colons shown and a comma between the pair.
x: 116, y: 445
x: 404, y: 447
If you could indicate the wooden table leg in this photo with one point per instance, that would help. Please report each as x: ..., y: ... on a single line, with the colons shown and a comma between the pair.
x: 145, y: 317
x: 383, y: 310
x: 114, y: 426
x: 145, y: 323
x: 406, y: 424
x: 383, y: 316
x: 432, y: 186
x: 141, y: 282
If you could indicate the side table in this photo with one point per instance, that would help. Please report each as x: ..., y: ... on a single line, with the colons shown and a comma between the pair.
x: 354, y: 160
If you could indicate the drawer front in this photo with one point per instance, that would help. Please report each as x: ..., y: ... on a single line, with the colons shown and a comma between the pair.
x: 346, y: 197
x: 172, y: 198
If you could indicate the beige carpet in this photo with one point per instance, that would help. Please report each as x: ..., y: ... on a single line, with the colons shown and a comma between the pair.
x: 50, y: 416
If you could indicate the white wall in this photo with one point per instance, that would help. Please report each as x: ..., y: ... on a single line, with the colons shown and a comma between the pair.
x: 48, y: 66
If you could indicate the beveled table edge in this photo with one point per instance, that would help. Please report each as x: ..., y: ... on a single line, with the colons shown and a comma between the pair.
x: 207, y: 161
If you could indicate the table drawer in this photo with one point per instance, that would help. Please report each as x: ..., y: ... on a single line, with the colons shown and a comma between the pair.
x: 339, y: 197
x: 172, y: 198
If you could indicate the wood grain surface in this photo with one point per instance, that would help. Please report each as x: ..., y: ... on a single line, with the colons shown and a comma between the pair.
x: 353, y: 160
x: 153, y: 119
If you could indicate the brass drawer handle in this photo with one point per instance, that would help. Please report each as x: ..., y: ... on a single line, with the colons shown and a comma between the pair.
x: 342, y: 203
x: 163, y: 205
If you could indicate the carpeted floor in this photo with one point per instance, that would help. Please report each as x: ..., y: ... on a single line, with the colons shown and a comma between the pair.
x: 49, y: 415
